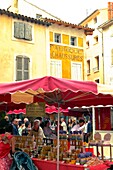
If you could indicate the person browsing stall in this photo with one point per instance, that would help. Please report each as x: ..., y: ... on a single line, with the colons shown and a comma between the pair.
x: 80, y: 126
x: 48, y: 131
x: 36, y: 130
x: 63, y: 125
x: 15, y: 124
x: 7, y: 145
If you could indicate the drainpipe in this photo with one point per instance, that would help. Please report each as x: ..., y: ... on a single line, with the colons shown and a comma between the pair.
x: 101, y: 31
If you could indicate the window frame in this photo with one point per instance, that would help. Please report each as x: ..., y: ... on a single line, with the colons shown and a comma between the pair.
x: 87, y: 44
x: 96, y: 39
x: 95, y: 20
x: 88, y: 66
x: 96, y: 62
x: 73, y: 41
x: 19, y: 39
x: 97, y: 80
x: 59, y: 73
x: 22, y: 70
x: 57, y: 37
x: 80, y: 76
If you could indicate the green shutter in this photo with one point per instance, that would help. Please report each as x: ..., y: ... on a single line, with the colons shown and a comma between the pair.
x: 22, y: 68
x: 19, y: 68
x: 16, y: 30
x: 19, y: 30
x: 28, y: 32
x: 26, y: 68
x: 21, y: 26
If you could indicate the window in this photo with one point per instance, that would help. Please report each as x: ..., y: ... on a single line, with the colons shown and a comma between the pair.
x: 111, y: 56
x: 73, y: 41
x: 103, y: 114
x: 22, y: 68
x: 97, y: 80
x: 96, y: 62
x: 22, y: 31
x: 57, y: 38
x: 56, y: 68
x: 87, y: 44
x: 76, y: 71
x: 86, y: 25
x: 88, y: 66
x: 38, y: 16
x: 95, y: 20
x: 95, y: 39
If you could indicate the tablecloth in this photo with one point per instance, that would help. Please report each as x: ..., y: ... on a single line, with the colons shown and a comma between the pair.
x: 51, y: 165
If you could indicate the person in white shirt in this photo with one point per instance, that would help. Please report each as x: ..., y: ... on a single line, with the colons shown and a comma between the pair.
x: 63, y: 125
x: 80, y: 126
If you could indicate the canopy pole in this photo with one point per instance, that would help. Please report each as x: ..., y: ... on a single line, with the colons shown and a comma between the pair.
x: 93, y: 120
x: 58, y: 143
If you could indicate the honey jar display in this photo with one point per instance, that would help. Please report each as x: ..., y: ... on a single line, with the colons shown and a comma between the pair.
x: 46, y: 151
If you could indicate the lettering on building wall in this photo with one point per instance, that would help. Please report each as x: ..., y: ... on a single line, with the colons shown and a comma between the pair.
x: 64, y: 52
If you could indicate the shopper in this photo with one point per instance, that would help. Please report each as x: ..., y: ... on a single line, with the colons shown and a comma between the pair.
x: 41, y: 122
x: 74, y: 121
x: 63, y: 125
x: 20, y: 128
x: 15, y: 124
x: 69, y: 125
x: 26, y: 131
x: 7, y: 144
x: 36, y: 130
x: 80, y: 126
x: 48, y: 131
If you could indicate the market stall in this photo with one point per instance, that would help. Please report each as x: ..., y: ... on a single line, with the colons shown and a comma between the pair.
x: 43, y: 164
x: 59, y: 92
x: 44, y: 154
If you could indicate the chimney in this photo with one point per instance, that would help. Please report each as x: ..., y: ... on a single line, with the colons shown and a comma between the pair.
x: 14, y: 6
x: 110, y: 10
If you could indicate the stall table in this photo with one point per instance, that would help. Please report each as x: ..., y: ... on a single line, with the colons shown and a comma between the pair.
x: 48, y: 165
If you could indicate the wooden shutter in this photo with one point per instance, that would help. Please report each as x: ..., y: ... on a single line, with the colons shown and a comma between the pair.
x: 21, y: 26
x: 18, y: 68
x: 19, y: 30
x: 28, y: 32
x: 16, y: 30
x: 22, y: 68
x: 76, y: 71
x: 26, y: 68
x: 56, y: 68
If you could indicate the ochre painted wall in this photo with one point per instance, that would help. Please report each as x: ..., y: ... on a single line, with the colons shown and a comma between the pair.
x: 65, y: 39
x: 66, y: 54
x: 64, y: 51
x: 11, y: 47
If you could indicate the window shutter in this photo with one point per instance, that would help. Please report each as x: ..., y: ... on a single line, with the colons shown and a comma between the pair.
x: 56, y: 68
x: 19, y: 68
x: 28, y: 32
x: 26, y: 68
x: 21, y: 26
x: 16, y: 30
x: 76, y: 71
